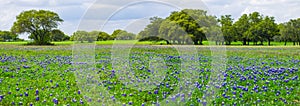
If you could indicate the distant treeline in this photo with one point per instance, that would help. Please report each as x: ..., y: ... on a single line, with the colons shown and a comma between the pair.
x: 102, y: 36
x: 194, y: 26
x: 188, y: 26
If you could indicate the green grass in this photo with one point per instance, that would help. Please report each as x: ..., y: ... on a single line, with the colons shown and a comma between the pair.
x: 13, y: 43
x: 53, y: 63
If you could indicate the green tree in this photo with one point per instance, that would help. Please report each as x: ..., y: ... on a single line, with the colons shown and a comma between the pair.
x: 7, y: 36
x: 253, y: 32
x: 115, y: 33
x: 268, y: 29
x: 194, y: 22
x: 151, y: 32
x: 215, y: 34
x: 58, y: 35
x: 227, y: 28
x: 83, y: 36
x: 295, y: 30
x: 241, y: 26
x: 38, y: 23
x: 124, y: 35
x: 103, y: 36
x: 285, y: 33
x: 290, y: 31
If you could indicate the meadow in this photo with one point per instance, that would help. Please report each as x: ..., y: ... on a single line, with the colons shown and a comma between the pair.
x: 47, y: 75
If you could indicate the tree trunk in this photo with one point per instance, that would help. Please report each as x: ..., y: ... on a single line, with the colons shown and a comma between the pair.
x: 269, y: 42
x: 167, y: 42
x: 285, y: 42
x: 248, y: 42
x: 195, y: 42
x: 201, y: 43
x: 244, y: 41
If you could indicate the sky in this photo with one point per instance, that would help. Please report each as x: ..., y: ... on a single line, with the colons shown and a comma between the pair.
x: 133, y: 15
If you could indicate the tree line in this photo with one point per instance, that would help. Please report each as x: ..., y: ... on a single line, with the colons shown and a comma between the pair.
x: 188, y: 26
x: 101, y: 36
x: 42, y: 27
x: 198, y: 26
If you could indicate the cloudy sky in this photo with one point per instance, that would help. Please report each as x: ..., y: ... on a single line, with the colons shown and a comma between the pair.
x: 108, y: 15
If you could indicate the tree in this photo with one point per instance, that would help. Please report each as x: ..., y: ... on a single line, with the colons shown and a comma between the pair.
x: 194, y: 22
x: 215, y: 34
x: 295, y: 30
x: 227, y: 28
x: 151, y: 32
x: 103, y: 36
x: 290, y: 31
x: 284, y: 33
x: 168, y: 31
x: 115, y: 33
x: 124, y: 35
x: 38, y: 23
x: 84, y: 36
x: 58, y: 35
x: 7, y: 36
x: 253, y: 33
x: 268, y: 29
x: 241, y: 27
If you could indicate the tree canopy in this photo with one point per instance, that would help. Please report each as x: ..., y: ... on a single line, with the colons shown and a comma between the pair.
x: 58, y: 35
x: 181, y: 27
x: 8, y: 36
x: 83, y: 36
x: 188, y: 26
x: 37, y: 23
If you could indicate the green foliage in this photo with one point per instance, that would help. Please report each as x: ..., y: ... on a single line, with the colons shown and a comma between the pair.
x: 151, y: 32
x: 124, y: 35
x: 290, y: 31
x: 256, y: 28
x: 241, y: 26
x: 82, y: 36
x: 115, y: 33
x: 194, y: 22
x: 58, y: 35
x: 103, y: 36
x: 228, y: 30
x: 7, y: 36
x: 181, y: 27
x: 37, y: 23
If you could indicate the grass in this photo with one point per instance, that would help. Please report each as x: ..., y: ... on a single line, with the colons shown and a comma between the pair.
x: 32, y: 68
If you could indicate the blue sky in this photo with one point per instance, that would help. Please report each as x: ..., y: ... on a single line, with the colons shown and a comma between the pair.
x: 133, y: 14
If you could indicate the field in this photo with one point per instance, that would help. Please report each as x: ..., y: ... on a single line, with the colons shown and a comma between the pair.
x: 145, y: 75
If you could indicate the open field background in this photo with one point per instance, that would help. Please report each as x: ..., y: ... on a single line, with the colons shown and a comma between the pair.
x: 46, y: 75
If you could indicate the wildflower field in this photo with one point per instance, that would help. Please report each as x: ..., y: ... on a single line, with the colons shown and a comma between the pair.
x: 46, y: 75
